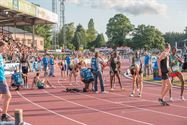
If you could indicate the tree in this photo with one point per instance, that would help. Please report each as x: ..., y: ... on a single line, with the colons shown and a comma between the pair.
x: 172, y: 37
x: 79, y: 37
x: 99, y: 41
x: 185, y: 30
x: 70, y: 30
x: 147, y: 37
x: 117, y: 29
x: 91, y: 32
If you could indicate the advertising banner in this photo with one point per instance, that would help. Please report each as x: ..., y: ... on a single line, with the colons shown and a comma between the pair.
x: 27, y: 8
x: 10, y: 67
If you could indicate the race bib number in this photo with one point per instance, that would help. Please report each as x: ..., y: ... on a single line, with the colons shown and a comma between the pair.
x: 175, y: 68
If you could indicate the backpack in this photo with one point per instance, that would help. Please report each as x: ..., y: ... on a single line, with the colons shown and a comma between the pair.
x: 94, y: 64
x: 45, y: 61
x: 17, y: 77
x: 87, y: 74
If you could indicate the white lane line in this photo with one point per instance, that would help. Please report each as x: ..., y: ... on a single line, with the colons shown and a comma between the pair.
x: 179, y: 106
x: 150, y: 110
x: 148, y: 100
x: 147, y: 82
x: 97, y: 110
x: 81, y: 123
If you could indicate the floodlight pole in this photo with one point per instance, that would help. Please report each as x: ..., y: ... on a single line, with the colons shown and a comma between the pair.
x: 62, y: 20
x: 54, y: 39
x: 33, y: 32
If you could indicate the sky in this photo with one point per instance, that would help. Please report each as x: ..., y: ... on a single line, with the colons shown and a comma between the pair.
x: 166, y: 15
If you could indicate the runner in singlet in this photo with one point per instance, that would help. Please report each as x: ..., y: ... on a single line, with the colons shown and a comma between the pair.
x: 25, y: 67
x: 163, y: 67
x: 175, y: 61
x: 114, y: 63
x: 137, y: 74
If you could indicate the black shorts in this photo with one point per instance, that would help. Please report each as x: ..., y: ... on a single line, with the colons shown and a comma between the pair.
x: 25, y: 69
x: 184, y: 66
x: 88, y: 81
x: 62, y: 69
x: 133, y: 72
x: 165, y: 75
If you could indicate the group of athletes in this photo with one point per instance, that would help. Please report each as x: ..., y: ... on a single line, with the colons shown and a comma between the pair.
x: 168, y: 68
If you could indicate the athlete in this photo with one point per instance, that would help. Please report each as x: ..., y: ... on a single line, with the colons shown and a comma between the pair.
x: 175, y: 61
x: 163, y: 68
x: 115, y: 64
x: 137, y: 74
x: 4, y: 89
x: 25, y: 67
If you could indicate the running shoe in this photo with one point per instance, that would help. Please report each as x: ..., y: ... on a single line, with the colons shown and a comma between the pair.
x: 131, y: 95
x: 171, y: 99
x: 4, y: 117
x: 162, y: 102
x: 139, y: 95
x: 122, y: 89
x: 112, y: 89
x: 96, y: 92
x: 104, y: 92
x: 182, y: 98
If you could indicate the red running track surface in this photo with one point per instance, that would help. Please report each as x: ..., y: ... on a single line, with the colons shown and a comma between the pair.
x: 56, y: 107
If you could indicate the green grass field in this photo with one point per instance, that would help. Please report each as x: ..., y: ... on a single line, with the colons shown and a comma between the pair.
x: 176, y: 80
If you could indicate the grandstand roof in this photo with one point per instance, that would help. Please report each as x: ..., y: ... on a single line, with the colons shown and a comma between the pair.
x: 22, y: 12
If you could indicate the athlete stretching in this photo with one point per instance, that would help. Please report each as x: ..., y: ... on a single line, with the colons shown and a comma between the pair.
x: 175, y: 61
x: 163, y: 67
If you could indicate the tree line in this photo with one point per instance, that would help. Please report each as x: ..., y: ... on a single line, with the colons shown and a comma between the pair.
x: 120, y: 32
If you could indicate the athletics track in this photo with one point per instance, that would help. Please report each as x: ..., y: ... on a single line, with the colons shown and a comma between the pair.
x: 56, y: 107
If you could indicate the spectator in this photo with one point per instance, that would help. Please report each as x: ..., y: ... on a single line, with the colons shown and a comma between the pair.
x: 68, y: 62
x: 51, y: 65
x: 184, y: 67
x: 147, y: 63
x: 45, y: 64
x: 96, y: 65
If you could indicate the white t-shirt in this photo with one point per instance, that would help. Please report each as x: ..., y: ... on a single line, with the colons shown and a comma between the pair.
x: 76, y: 60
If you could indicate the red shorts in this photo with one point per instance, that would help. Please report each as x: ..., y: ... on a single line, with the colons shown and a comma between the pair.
x: 174, y: 74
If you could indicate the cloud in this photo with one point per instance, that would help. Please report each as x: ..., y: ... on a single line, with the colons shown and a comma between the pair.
x: 134, y: 7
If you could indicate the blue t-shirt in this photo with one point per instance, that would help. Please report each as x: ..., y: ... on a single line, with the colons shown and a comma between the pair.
x: 51, y: 61
x: 146, y: 60
x: 45, y: 61
x: 68, y: 60
x: 2, y: 71
x: 17, y: 77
